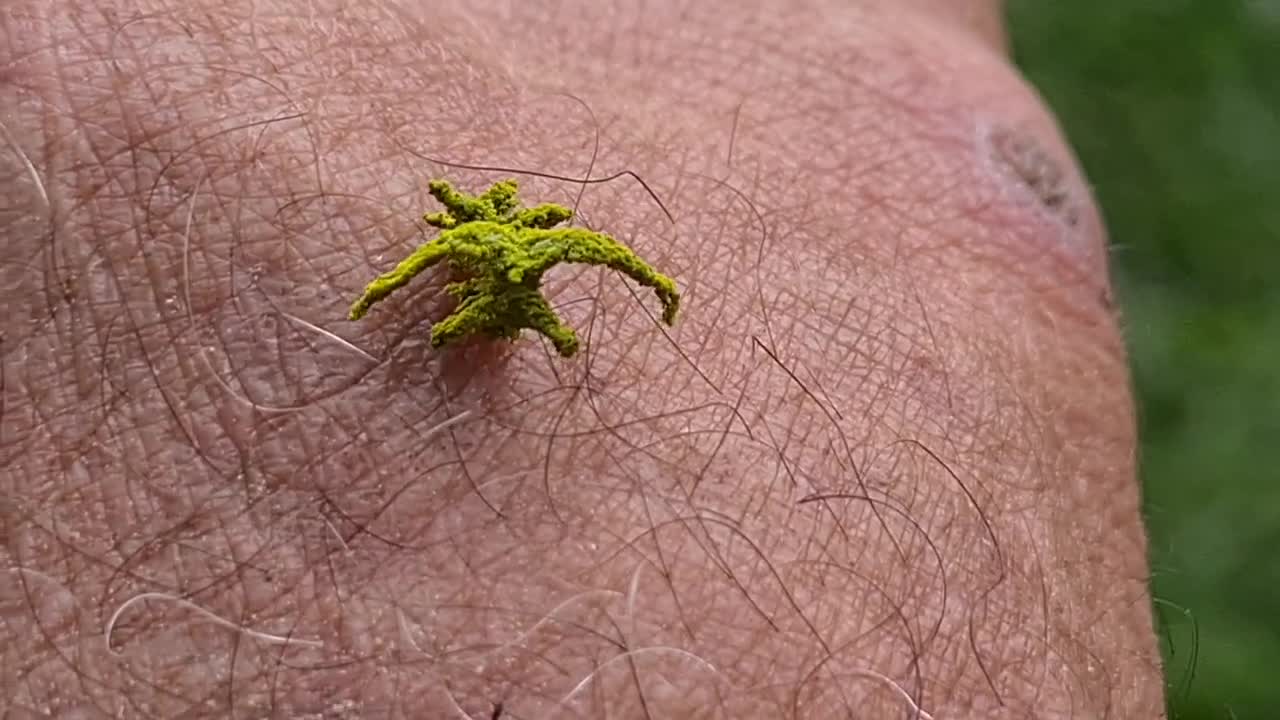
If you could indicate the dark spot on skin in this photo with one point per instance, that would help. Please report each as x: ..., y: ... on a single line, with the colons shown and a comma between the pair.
x: 1107, y: 298
x: 1041, y: 173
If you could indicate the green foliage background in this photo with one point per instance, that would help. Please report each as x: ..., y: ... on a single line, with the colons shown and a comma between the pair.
x: 1174, y: 108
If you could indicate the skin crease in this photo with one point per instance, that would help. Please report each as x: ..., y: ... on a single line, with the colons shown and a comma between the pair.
x: 883, y: 465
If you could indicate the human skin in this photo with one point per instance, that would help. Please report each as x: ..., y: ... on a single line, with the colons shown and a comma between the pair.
x: 883, y: 465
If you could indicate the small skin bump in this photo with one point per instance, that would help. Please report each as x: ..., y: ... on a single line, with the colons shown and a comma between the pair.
x: 503, y: 250
x: 1042, y: 175
x: 1047, y: 183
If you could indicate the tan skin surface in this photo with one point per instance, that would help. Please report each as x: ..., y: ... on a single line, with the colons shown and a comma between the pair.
x: 882, y: 467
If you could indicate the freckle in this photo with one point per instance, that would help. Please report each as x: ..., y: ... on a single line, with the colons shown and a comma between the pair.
x: 1019, y: 154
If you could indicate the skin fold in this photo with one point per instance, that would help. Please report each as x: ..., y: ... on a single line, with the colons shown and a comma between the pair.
x: 882, y: 466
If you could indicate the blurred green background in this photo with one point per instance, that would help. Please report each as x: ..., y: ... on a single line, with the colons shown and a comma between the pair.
x: 1174, y: 109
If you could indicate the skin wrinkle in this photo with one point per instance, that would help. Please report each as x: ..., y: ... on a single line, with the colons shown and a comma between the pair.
x: 880, y: 274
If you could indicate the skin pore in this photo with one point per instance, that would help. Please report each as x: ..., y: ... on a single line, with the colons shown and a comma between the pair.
x: 882, y: 466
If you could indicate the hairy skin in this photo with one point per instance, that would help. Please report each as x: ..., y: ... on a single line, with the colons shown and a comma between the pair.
x: 882, y: 467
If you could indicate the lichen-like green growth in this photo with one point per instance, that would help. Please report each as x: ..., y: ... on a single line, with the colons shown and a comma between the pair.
x: 502, y: 250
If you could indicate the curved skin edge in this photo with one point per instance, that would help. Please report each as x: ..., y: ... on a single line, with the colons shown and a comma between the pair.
x: 885, y: 460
